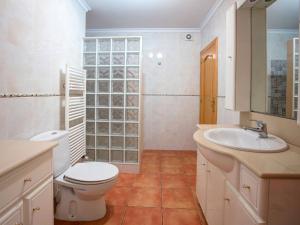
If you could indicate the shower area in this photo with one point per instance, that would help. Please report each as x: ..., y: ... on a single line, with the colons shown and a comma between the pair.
x: 113, y: 98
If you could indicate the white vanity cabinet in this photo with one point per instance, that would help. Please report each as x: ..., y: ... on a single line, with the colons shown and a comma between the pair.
x: 240, y: 197
x: 26, y: 193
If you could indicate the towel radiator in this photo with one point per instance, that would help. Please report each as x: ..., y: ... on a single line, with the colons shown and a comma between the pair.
x: 75, y: 114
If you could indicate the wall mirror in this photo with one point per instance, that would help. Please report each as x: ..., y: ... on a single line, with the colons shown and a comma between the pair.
x: 275, y: 57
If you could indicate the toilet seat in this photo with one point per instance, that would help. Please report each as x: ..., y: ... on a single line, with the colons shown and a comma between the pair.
x: 91, y: 173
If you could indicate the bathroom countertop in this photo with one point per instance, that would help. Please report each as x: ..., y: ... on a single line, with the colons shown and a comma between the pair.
x: 266, y: 165
x: 17, y: 152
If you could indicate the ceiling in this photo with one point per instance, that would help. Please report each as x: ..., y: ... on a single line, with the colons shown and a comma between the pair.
x: 283, y: 14
x: 147, y: 13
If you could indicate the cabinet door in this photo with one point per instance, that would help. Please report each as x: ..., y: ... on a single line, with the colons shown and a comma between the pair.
x: 215, y: 195
x: 230, y: 57
x: 39, y: 205
x: 13, y: 216
x: 201, y: 181
x: 237, y: 211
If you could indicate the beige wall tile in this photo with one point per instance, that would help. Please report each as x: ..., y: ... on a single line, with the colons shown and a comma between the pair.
x: 38, y: 39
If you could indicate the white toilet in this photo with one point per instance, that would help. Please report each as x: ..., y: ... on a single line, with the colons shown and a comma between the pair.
x: 79, y: 190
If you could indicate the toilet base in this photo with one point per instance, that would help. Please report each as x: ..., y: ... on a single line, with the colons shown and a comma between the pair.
x: 70, y: 208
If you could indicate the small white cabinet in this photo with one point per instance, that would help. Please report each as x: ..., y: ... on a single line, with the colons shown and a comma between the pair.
x: 26, y: 193
x: 210, y: 183
x: 214, y: 195
x: 236, y: 210
x: 14, y: 216
x: 39, y: 205
x: 201, y: 181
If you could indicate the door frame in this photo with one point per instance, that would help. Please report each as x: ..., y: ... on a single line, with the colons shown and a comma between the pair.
x: 205, y: 52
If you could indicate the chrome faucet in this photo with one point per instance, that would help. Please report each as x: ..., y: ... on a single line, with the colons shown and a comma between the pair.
x: 261, y: 128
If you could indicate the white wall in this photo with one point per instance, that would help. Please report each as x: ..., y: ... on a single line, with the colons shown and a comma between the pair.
x: 38, y: 38
x: 216, y: 27
x: 170, y: 91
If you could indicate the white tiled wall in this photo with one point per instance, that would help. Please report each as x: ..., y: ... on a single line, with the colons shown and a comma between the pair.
x: 171, y: 90
x: 38, y: 38
x: 216, y: 27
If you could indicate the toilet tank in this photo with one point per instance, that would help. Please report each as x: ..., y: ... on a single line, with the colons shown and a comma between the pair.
x: 61, y: 153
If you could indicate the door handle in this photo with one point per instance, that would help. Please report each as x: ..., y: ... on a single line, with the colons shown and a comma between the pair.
x: 213, y: 104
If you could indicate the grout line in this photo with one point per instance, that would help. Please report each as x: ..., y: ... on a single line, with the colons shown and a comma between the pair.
x: 29, y: 95
x: 170, y: 95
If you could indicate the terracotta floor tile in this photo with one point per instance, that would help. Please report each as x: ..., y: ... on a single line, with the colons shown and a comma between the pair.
x: 191, y: 153
x: 177, y: 198
x: 164, y: 153
x: 114, y: 216
x: 181, y: 217
x: 118, y: 196
x: 189, y: 160
x: 170, y: 161
x: 151, y: 152
x: 147, y: 180
x: 150, y: 169
x: 143, y: 216
x: 190, y: 180
x: 177, y: 169
x: 190, y: 169
x: 145, y: 197
x: 150, y: 160
x: 125, y: 180
x: 174, y: 181
x: 60, y: 222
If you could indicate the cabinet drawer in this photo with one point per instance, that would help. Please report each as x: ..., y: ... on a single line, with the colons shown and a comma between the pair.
x: 249, y: 186
x: 18, y: 182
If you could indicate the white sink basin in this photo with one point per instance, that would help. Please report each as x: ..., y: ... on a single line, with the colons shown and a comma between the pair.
x: 245, y: 140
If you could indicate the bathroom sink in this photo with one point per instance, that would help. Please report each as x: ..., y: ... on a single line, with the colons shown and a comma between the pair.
x: 245, y: 140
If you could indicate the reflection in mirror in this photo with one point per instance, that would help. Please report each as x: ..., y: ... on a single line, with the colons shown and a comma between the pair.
x: 275, y: 58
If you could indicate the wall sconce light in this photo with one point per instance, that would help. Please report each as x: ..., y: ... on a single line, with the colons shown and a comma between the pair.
x: 158, y: 55
x: 151, y: 55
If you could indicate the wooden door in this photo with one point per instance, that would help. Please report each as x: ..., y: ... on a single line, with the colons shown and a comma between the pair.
x: 209, y: 83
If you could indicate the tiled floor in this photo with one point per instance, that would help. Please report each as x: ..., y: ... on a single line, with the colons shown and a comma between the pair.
x: 162, y: 194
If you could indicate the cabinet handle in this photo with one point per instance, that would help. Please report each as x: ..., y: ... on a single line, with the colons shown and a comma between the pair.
x: 227, y: 199
x: 203, y: 164
x: 27, y: 180
x: 36, y: 209
x: 246, y: 187
x: 208, y: 171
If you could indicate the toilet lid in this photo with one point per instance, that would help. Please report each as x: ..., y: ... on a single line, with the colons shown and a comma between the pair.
x: 91, y: 172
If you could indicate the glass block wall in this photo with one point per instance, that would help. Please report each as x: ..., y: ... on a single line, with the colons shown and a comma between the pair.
x: 295, y: 76
x: 113, y: 98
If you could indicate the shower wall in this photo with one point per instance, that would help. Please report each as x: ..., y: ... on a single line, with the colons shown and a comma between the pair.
x: 170, y: 92
x: 113, y: 98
